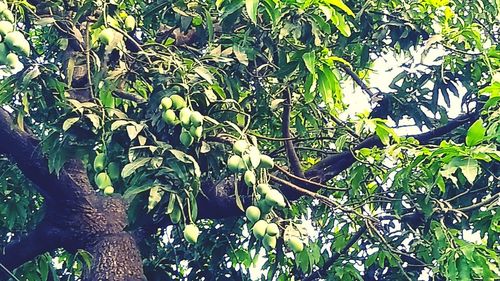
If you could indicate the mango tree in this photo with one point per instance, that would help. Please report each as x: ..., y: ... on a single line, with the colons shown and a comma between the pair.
x: 159, y: 140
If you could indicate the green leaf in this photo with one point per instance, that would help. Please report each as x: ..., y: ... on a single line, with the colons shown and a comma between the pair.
x: 463, y: 270
x: 205, y: 74
x: 134, y: 130
x: 452, y: 269
x: 117, y: 124
x: 475, y: 134
x: 341, y: 5
x: 310, y: 61
x: 69, y: 122
x: 339, y: 21
x: 310, y: 88
x: 328, y: 86
x: 131, y: 167
x: 382, y: 134
x: 251, y: 6
x: 155, y: 195
x: 470, y: 169
x: 136, y: 190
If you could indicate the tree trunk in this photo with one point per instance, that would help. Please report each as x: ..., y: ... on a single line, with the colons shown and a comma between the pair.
x: 115, y: 258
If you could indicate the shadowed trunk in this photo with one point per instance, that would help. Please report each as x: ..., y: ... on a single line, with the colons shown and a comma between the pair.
x: 76, y: 217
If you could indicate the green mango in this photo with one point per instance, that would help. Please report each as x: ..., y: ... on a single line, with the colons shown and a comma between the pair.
x: 6, y: 27
x: 103, y: 180
x: 249, y: 178
x: 184, y: 116
x: 252, y: 213
x: 107, y: 36
x: 166, y: 103
x: 114, y: 171
x: 196, y: 132
x: 272, y: 229
x: 196, y: 119
x: 186, y: 139
x: 99, y: 162
x: 240, y: 146
x: 129, y: 23
x: 295, y: 244
x: 259, y: 229
x: 191, y: 233
x: 178, y: 102
x: 108, y: 190
x: 233, y: 163
x: 269, y: 242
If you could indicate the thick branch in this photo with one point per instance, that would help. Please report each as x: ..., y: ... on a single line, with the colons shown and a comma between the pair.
x: 129, y: 96
x: 39, y: 241
x: 24, y: 149
x: 333, y: 165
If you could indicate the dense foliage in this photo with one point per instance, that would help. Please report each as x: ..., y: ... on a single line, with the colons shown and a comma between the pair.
x: 196, y: 112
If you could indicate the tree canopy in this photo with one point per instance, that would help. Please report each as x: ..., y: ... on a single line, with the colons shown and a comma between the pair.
x: 214, y: 140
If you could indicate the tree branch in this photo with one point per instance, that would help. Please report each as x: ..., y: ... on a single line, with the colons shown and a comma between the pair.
x: 290, y: 150
x: 358, y: 80
x: 333, y: 165
x: 37, y: 242
x: 24, y: 149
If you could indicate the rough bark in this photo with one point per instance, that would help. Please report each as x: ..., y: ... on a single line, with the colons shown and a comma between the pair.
x: 76, y: 217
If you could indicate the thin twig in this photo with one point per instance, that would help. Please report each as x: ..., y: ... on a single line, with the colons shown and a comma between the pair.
x: 319, y: 273
x: 304, y: 180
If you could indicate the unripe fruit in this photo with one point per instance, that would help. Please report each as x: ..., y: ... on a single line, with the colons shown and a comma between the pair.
x: 107, y: 35
x: 295, y: 244
x: 250, y: 178
x: 241, y: 166
x: 12, y: 60
x: 166, y: 103
x: 3, y: 6
x: 15, y: 41
x: 99, y: 162
x: 24, y: 48
x: 266, y: 162
x: 122, y: 15
x: 196, y: 118
x: 274, y: 197
x: 269, y: 242
x: 108, y: 190
x: 272, y: 229
x: 191, y: 233
x: 178, y: 102
x: 8, y: 15
x: 240, y: 146
x: 103, y: 180
x: 129, y: 23
x: 5, y: 27
x: 186, y: 138
x: 233, y: 163
x: 259, y: 229
x: 184, y: 116
x: 254, y: 154
x: 263, y: 188
x: 169, y: 117
x: 196, y: 132
x: 247, y: 161
x: 253, y: 214
x: 264, y: 206
x: 114, y: 171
